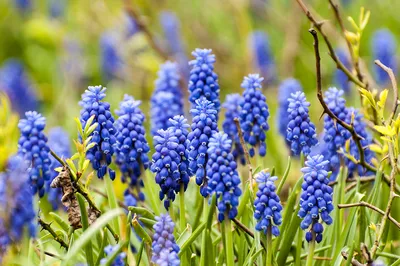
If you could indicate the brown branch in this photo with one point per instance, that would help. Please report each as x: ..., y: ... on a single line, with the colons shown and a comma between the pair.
x: 246, y: 230
x: 370, y: 206
x: 353, y: 261
x: 246, y: 152
x: 47, y: 227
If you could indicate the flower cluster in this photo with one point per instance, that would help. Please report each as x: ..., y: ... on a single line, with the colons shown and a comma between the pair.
x: 203, y: 81
x: 111, y: 60
x: 165, y: 250
x: 335, y: 136
x: 104, y: 134
x: 132, y: 148
x: 262, y: 56
x: 254, y: 114
x: 223, y: 179
x: 16, y: 201
x: 204, y: 125
x: 232, y: 106
x: 316, y: 197
x: 15, y: 83
x: 171, y: 27
x: 286, y: 88
x: 59, y: 142
x: 268, y: 207
x: 300, y: 130
x: 384, y: 49
x: 341, y: 79
x: 118, y: 261
x: 32, y: 145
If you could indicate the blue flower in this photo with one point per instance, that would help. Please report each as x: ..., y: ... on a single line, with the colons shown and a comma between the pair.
x: 132, y: 148
x: 262, y: 55
x: 23, y: 6
x: 204, y: 125
x: 268, y: 207
x: 300, y: 131
x: 165, y: 250
x: 118, y: 261
x: 254, y: 114
x: 111, y: 60
x: 171, y: 27
x: 57, y: 8
x: 131, y: 26
x: 316, y: 197
x: 60, y: 143
x: 232, y: 106
x: 286, y: 88
x: 341, y: 79
x: 361, y: 129
x: 335, y: 136
x: 16, y: 201
x: 384, y: 49
x: 16, y: 84
x: 203, y: 80
x: 222, y: 175
x: 32, y: 145
x: 104, y: 135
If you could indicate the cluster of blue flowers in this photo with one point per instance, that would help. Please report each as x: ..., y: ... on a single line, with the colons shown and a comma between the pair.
x: 166, y: 101
x: 111, y: 60
x: 223, y: 178
x: 59, y: 142
x: 300, y: 130
x: 316, y: 197
x: 341, y: 79
x: 254, y: 114
x: 232, y: 106
x: 268, y: 207
x: 204, y: 125
x: 104, y: 134
x: 32, y: 145
x: 132, y: 148
x: 165, y: 249
x: 203, y: 82
x: 286, y: 88
x: 335, y: 136
x: 16, y: 84
x: 262, y: 55
x: 16, y: 201
x: 118, y: 261
x: 384, y: 49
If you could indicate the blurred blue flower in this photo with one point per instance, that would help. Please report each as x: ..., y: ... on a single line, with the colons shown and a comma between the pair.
x: 16, y: 84
x: 104, y: 135
x: 111, y: 60
x: 254, y: 114
x: 204, y: 125
x: 316, y: 197
x: 165, y: 250
x: 60, y: 143
x: 73, y: 62
x: 119, y: 259
x: 262, y: 55
x: 131, y: 26
x: 301, y: 132
x: 203, y: 82
x: 268, y: 207
x: 57, y: 8
x: 171, y: 28
x: 341, y: 79
x: 222, y: 175
x: 32, y: 145
x: 232, y: 106
x: 384, y: 49
x: 24, y: 6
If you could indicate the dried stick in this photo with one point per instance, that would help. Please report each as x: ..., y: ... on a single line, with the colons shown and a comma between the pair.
x: 246, y: 152
x: 47, y: 227
x: 353, y: 261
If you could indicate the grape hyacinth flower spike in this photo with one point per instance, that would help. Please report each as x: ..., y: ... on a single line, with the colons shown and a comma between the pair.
x: 232, y: 106
x: 204, y: 125
x: 300, y: 130
x: 384, y: 49
x: 104, y: 135
x: 316, y: 198
x: 222, y: 175
x: 262, y: 55
x: 203, y: 81
x: 268, y: 207
x: 341, y: 79
x: 165, y: 250
x: 119, y: 259
x: 254, y: 114
x: 132, y: 148
x: 32, y: 145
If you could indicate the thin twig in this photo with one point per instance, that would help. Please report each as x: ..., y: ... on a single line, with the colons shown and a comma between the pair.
x: 353, y: 261
x: 370, y: 206
x: 47, y: 227
x: 246, y: 230
x: 246, y: 152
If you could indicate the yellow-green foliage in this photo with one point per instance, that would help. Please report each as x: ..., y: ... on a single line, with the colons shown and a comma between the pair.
x: 8, y: 130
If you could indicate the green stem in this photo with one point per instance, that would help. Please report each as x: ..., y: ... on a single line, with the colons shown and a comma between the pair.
x: 311, y: 249
x: 269, y: 246
x: 204, y: 236
x: 182, y: 211
x: 112, y: 201
x: 228, y: 242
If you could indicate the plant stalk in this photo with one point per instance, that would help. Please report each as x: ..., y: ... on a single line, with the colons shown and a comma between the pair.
x: 269, y: 246
x: 228, y: 242
x: 311, y: 249
x: 182, y: 211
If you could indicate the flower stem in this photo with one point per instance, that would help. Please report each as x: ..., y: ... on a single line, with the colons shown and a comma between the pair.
x: 269, y: 246
x: 311, y: 249
x: 228, y: 242
x: 182, y: 212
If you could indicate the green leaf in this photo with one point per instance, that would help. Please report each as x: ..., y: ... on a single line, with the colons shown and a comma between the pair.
x: 101, y: 249
x: 192, y: 237
x: 60, y: 221
x: 140, y: 231
x: 79, y: 126
x: 89, y: 234
x: 85, y: 226
x: 284, y: 177
x: 147, y: 222
x: 88, y: 124
x: 184, y: 236
x: 112, y: 201
x: 142, y: 212
x: 91, y: 129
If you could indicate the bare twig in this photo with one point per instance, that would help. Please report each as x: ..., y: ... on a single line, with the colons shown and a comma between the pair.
x: 353, y: 261
x: 246, y: 152
x: 370, y: 206
x: 246, y: 230
x: 47, y: 227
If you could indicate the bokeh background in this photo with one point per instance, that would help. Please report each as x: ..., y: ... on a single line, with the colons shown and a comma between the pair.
x: 50, y: 51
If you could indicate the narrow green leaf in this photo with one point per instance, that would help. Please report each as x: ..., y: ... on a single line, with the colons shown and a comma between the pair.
x: 184, y: 236
x: 192, y: 237
x: 284, y: 177
x: 102, y: 246
x: 112, y: 201
x: 60, y: 221
x: 142, y: 212
x: 85, y: 225
x: 88, y: 124
x: 140, y: 231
